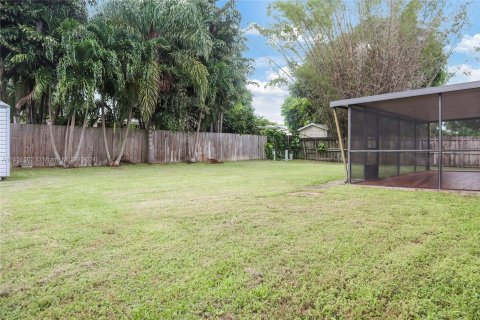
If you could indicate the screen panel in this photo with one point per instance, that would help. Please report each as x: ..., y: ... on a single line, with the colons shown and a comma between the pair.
x: 461, y: 153
x: 385, y: 145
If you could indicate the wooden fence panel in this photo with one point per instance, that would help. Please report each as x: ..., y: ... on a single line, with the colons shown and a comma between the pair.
x: 468, y: 155
x: 31, y: 145
x: 310, y: 149
x: 462, y: 158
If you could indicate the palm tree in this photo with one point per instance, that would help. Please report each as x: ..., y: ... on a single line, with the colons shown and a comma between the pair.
x: 126, y: 45
x: 29, y: 48
x: 84, y: 65
x: 174, y: 41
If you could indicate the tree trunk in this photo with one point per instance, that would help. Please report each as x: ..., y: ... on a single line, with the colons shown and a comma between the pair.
x: 23, y: 101
x: 3, y: 84
x: 80, y: 143
x: 188, y: 158
x: 150, y: 146
x: 114, y: 140
x: 69, y: 142
x: 32, y: 112
x: 16, y: 116
x: 65, y: 149
x: 196, y: 139
x: 124, y: 142
x: 58, y: 113
x: 107, y: 149
x: 17, y: 80
x: 41, y: 113
x: 3, y: 91
x: 52, y: 139
x: 220, y: 125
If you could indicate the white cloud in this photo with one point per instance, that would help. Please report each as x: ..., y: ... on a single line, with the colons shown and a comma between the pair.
x: 267, y: 100
x: 463, y: 73
x: 268, y: 61
x: 468, y: 44
x: 251, y: 30
x: 283, y: 72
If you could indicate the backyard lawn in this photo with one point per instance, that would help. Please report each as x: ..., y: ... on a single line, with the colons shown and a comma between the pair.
x: 253, y: 239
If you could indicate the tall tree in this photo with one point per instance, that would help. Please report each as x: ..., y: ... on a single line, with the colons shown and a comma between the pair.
x: 227, y: 67
x: 169, y: 64
x: 118, y: 87
x: 29, y: 50
x: 344, y: 49
x: 176, y: 37
x: 84, y: 65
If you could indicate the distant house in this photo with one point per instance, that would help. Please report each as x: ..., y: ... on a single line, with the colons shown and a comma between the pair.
x: 318, y: 144
x: 313, y: 131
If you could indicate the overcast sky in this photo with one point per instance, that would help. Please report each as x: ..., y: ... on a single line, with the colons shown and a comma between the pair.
x: 267, y: 101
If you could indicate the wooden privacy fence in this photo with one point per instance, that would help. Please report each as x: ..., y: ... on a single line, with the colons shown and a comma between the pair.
x: 31, y: 145
x: 321, y: 149
x: 462, y: 152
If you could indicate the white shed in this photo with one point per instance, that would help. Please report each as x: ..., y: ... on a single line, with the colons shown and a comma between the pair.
x: 4, y: 140
x: 313, y: 130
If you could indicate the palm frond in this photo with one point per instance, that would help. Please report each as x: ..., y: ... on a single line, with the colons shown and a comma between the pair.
x: 196, y: 72
x: 148, y: 89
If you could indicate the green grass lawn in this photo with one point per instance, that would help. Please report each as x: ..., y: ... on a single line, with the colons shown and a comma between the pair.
x: 237, y: 240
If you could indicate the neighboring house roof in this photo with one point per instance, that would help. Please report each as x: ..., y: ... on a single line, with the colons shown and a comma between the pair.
x: 320, y: 126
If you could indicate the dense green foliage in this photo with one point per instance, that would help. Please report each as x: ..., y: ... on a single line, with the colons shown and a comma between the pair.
x: 30, y: 50
x: 166, y: 63
x: 242, y: 240
x: 297, y: 112
x: 278, y: 141
x: 240, y: 119
x: 463, y: 128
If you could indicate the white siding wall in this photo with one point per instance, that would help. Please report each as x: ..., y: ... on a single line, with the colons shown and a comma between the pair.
x: 313, y: 132
x: 4, y: 142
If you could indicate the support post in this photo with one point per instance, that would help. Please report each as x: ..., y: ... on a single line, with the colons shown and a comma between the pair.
x: 398, y: 146
x: 428, y: 147
x: 440, y: 143
x: 365, y: 141
x: 377, y: 142
x: 415, y: 145
x: 349, y: 171
x: 340, y: 142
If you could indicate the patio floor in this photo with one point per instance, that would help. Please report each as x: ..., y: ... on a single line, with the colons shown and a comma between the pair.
x: 454, y: 180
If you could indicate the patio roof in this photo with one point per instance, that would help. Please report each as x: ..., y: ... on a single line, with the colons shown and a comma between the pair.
x: 459, y: 101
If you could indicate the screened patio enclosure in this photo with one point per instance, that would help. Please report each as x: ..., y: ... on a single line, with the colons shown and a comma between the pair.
x: 425, y: 138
